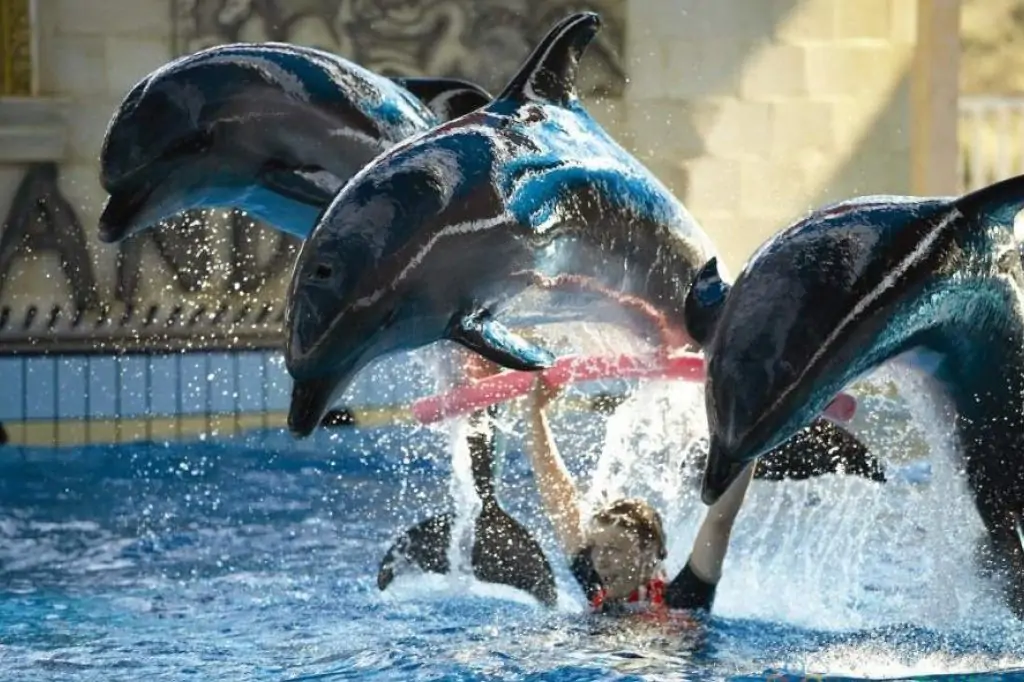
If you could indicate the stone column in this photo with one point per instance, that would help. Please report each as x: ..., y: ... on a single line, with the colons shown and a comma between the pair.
x: 936, y: 90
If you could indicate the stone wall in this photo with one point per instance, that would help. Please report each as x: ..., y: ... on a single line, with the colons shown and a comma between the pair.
x: 756, y: 111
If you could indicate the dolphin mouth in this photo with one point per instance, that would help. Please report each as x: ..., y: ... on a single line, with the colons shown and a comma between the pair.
x: 719, y: 473
x: 119, y: 214
x: 310, y: 400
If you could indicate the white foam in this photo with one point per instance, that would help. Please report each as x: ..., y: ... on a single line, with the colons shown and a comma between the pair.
x: 415, y: 586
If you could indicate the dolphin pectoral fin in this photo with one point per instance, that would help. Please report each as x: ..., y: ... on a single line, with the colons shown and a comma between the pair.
x: 481, y: 333
x: 448, y: 98
x: 313, y: 186
x: 503, y: 553
x: 704, y: 302
x: 425, y: 546
x: 822, y: 448
x: 549, y: 73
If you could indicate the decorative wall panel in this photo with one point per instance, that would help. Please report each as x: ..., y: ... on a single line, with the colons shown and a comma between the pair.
x: 482, y: 40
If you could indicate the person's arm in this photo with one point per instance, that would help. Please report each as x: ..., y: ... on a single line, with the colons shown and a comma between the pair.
x: 695, y: 585
x: 557, y: 490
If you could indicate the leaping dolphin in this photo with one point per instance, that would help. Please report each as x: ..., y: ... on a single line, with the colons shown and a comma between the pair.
x: 935, y: 282
x: 440, y: 236
x: 268, y: 128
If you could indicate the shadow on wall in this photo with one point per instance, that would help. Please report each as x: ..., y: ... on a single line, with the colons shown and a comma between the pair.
x: 689, y: 113
x: 677, y: 66
x: 879, y: 157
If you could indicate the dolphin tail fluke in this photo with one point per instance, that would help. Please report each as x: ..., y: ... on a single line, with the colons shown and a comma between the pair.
x: 448, y: 98
x: 503, y: 552
x: 424, y: 546
x: 996, y: 203
x: 704, y: 302
x: 822, y: 448
x: 550, y: 71
x: 488, y: 337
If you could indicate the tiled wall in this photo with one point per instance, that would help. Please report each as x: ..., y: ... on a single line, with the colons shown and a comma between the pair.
x: 69, y: 400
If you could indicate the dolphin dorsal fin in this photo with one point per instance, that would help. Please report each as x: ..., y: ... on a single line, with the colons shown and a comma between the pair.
x: 997, y: 203
x: 704, y: 302
x: 549, y: 74
x: 448, y: 98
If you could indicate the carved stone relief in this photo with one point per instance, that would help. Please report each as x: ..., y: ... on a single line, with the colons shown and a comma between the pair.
x: 482, y: 40
x: 140, y: 316
x: 41, y: 220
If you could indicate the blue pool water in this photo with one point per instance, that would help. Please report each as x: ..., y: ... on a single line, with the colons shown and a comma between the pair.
x: 255, y: 559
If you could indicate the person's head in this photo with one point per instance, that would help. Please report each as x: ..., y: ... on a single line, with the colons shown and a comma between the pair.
x: 627, y: 545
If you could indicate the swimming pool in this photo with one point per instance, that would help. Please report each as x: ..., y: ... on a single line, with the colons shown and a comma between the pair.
x: 255, y: 558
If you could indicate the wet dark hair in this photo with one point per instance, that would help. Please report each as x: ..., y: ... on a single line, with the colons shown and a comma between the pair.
x: 638, y: 516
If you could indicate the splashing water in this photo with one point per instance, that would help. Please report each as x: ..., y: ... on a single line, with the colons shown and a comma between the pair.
x: 648, y: 452
x: 821, y: 553
x: 466, y: 502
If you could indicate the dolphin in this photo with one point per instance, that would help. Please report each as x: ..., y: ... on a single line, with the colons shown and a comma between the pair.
x: 934, y: 283
x: 503, y: 550
x: 479, y: 225
x: 272, y: 129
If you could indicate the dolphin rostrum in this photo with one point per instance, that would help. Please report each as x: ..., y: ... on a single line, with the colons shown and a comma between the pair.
x: 272, y: 129
x: 932, y: 282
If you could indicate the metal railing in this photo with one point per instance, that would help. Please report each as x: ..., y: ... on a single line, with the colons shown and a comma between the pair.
x: 991, y: 140
x: 71, y: 377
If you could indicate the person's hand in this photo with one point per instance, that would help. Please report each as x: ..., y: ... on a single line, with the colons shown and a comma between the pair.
x: 542, y: 394
x: 476, y: 367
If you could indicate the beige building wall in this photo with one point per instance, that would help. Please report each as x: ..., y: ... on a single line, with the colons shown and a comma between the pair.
x: 752, y: 111
x: 755, y: 111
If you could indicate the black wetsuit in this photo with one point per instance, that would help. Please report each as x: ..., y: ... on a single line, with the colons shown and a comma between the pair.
x: 685, y: 591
